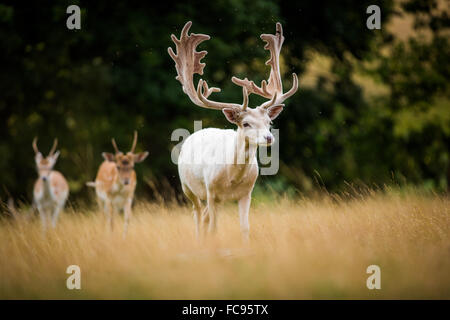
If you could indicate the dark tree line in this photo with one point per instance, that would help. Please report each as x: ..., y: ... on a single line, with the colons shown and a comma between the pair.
x: 114, y: 76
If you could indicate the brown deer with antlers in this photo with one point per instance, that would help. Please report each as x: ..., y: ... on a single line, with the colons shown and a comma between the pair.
x: 50, y: 189
x: 116, y: 182
x: 215, y: 164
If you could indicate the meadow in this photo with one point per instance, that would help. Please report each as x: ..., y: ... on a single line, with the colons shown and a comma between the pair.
x: 306, y: 248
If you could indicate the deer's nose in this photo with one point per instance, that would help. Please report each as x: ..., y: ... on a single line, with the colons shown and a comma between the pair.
x: 44, y: 178
x: 126, y: 182
x: 269, y: 139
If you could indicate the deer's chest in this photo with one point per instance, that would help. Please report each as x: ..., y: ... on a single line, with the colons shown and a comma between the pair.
x: 119, y: 195
x: 44, y: 193
x: 235, y: 185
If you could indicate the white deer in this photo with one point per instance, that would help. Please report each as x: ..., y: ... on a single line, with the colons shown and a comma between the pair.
x: 227, y: 168
x: 51, y: 189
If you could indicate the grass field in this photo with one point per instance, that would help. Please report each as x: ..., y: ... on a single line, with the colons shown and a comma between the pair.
x: 298, y: 249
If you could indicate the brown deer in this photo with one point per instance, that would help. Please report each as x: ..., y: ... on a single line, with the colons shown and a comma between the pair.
x: 116, y: 182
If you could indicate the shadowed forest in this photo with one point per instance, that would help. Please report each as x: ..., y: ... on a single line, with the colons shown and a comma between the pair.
x: 372, y: 108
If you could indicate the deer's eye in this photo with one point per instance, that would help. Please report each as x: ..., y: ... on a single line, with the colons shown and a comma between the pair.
x: 247, y: 125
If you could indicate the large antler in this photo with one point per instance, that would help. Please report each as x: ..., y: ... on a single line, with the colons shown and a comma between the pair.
x: 187, y: 62
x: 273, y: 89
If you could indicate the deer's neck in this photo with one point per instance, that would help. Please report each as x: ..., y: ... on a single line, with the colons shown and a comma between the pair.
x: 245, y: 153
x: 46, y: 187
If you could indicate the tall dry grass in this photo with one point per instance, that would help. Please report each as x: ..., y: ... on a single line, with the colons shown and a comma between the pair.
x: 298, y: 249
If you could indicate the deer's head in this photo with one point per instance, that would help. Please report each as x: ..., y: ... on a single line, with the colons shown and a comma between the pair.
x: 125, y: 161
x: 44, y: 165
x: 254, y: 123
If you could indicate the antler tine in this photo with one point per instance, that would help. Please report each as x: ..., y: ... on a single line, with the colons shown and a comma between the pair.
x: 273, y: 86
x: 207, y: 91
x: 252, y: 87
x: 245, y: 101
x: 55, y: 144
x: 203, y: 87
x: 283, y: 97
x: 134, y: 141
x: 35, y: 148
x: 187, y: 63
x: 274, y: 42
x: 270, y: 103
x: 113, y: 141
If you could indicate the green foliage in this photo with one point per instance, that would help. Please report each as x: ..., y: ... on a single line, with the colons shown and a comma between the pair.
x: 418, y: 107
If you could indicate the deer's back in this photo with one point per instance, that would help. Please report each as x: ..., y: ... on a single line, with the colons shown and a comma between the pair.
x: 106, y: 176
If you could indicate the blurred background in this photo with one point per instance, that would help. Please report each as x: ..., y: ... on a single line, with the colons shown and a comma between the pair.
x: 373, y: 106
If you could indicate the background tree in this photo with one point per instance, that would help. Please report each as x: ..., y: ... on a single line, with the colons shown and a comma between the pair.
x: 114, y: 76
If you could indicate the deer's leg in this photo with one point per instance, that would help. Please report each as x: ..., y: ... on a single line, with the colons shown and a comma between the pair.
x: 196, y: 206
x: 127, y: 215
x: 55, y: 214
x: 211, y: 208
x: 109, y: 213
x: 244, y: 207
x: 42, y: 216
x: 100, y: 204
x: 204, y: 218
x: 56, y: 211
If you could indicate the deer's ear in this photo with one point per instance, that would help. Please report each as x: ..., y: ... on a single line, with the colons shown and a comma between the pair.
x: 140, y: 157
x: 232, y: 114
x: 274, y: 111
x: 108, y: 156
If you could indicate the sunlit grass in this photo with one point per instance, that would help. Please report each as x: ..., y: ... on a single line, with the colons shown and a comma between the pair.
x: 298, y: 249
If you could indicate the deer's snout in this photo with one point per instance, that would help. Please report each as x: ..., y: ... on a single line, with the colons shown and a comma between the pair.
x: 269, y: 138
x: 45, y: 176
x: 126, y: 182
x: 265, y: 138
